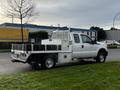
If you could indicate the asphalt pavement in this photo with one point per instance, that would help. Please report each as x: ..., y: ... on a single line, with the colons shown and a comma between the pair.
x: 113, y: 55
x: 8, y: 67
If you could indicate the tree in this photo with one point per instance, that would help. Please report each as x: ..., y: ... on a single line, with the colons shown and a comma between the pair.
x: 20, y: 9
x: 112, y: 28
x: 101, y: 34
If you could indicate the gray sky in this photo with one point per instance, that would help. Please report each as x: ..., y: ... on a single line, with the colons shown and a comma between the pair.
x: 77, y: 13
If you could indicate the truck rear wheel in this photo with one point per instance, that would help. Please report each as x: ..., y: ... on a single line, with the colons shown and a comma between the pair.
x: 48, y: 62
x: 35, y: 66
x: 101, y: 57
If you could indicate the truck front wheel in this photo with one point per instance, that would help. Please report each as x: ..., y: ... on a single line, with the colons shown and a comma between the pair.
x: 101, y: 57
x: 48, y: 62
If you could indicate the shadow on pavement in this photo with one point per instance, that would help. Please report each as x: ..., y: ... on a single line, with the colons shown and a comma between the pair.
x: 76, y: 63
x: 71, y: 64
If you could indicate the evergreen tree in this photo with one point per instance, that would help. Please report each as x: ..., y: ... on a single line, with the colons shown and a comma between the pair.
x: 101, y: 34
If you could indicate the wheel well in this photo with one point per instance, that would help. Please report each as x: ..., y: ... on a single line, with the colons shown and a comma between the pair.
x: 40, y: 57
x: 103, y: 50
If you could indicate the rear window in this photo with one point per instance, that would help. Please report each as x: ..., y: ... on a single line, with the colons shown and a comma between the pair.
x: 76, y: 38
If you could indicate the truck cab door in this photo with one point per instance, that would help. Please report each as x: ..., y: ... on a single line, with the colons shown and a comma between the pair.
x: 77, y: 46
x: 90, y: 48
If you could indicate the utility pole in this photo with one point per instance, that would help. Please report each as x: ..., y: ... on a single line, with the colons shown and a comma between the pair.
x: 12, y: 19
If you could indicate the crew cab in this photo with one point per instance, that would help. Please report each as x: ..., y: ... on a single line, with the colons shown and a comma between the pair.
x: 61, y: 47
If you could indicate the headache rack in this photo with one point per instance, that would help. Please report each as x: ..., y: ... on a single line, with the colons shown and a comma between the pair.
x: 35, y: 47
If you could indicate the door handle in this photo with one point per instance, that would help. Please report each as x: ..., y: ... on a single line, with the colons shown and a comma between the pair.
x: 82, y: 46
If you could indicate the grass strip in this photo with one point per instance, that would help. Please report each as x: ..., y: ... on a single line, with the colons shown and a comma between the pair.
x: 104, y: 76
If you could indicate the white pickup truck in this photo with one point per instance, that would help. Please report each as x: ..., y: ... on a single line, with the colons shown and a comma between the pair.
x: 62, y: 47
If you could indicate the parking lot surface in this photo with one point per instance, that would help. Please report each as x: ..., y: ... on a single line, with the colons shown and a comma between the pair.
x: 113, y: 55
x: 8, y: 67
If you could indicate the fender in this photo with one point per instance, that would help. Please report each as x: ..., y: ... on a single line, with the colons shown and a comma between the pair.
x: 104, y: 50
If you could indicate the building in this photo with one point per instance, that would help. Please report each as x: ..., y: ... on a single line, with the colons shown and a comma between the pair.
x: 13, y: 35
x: 113, y: 34
x: 34, y: 28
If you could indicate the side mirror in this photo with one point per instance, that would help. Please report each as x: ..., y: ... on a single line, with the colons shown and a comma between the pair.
x: 93, y: 42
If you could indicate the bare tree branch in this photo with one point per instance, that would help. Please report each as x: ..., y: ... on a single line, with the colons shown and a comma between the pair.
x: 20, y: 9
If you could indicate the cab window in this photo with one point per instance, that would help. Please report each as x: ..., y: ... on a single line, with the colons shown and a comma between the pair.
x: 86, y: 39
x: 76, y: 38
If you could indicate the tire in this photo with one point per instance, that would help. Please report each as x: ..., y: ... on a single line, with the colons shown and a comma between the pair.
x: 35, y: 66
x: 34, y: 63
x: 48, y: 62
x: 101, y: 57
